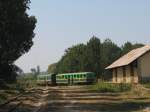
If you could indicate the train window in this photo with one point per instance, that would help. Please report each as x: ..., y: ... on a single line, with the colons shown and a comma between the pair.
x: 74, y: 76
x: 65, y: 77
x: 61, y: 77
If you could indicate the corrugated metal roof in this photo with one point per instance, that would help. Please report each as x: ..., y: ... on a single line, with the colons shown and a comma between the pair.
x: 129, y: 57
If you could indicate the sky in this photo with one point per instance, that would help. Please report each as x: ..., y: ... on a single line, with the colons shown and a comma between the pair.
x: 63, y: 23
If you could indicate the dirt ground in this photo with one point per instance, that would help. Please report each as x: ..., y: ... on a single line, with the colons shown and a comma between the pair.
x: 80, y: 99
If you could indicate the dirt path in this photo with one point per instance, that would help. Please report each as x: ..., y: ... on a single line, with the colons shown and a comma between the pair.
x: 79, y: 99
x: 29, y: 101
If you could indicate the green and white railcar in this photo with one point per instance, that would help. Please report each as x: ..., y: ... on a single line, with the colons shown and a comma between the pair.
x: 44, y: 79
x: 76, y: 78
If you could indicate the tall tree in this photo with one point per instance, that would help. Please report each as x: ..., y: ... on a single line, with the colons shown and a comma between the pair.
x: 94, y: 55
x: 128, y: 46
x: 16, y: 33
x: 73, y: 59
x: 110, y: 52
x: 52, y: 68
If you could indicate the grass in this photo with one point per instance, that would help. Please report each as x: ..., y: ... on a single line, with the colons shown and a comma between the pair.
x: 3, y: 98
x: 109, y: 87
x: 147, y: 85
x: 10, y: 90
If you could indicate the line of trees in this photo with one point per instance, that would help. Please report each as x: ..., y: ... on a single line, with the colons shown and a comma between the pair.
x: 91, y: 57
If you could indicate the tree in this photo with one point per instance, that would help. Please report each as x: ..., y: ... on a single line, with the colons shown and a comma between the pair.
x: 94, y: 56
x: 110, y: 53
x: 16, y: 33
x: 38, y: 70
x: 52, y: 68
x: 33, y: 71
x: 128, y: 46
x: 73, y: 59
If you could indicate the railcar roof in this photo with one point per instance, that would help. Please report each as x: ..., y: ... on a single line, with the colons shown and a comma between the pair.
x: 75, y: 73
x: 44, y: 75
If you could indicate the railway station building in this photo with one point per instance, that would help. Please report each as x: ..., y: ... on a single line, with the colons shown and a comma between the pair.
x: 134, y: 67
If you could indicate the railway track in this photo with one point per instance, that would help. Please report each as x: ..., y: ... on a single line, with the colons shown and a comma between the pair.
x: 28, y: 101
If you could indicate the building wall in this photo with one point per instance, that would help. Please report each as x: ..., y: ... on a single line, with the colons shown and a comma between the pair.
x: 144, y: 66
x: 119, y: 75
x: 136, y: 77
x: 128, y: 75
x: 128, y: 78
x: 113, y: 76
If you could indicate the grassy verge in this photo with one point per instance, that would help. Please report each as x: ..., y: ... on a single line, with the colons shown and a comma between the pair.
x: 147, y: 85
x: 7, y: 91
x: 108, y: 87
x: 3, y: 98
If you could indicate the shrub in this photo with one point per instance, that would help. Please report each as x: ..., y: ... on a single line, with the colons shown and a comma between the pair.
x: 26, y: 81
x: 3, y: 85
x: 2, y: 98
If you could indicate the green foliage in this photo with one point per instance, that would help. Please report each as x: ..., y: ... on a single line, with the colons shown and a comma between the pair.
x: 52, y: 68
x: 3, y: 98
x: 108, y: 87
x: 128, y: 46
x: 94, y: 56
x: 16, y: 34
x: 147, y: 85
x: 73, y: 60
x: 110, y: 52
x: 26, y: 81
x: 3, y: 85
x: 81, y: 58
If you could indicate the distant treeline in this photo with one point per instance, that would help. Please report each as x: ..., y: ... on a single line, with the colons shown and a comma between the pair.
x: 91, y: 57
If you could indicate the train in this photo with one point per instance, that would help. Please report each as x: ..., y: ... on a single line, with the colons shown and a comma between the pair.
x: 67, y: 78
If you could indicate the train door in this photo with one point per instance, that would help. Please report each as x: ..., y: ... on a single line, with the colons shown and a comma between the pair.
x: 53, y: 79
x: 70, y: 79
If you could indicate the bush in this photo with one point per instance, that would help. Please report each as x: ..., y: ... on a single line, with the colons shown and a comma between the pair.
x: 3, y: 84
x: 109, y: 87
x: 3, y: 98
x: 26, y: 81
